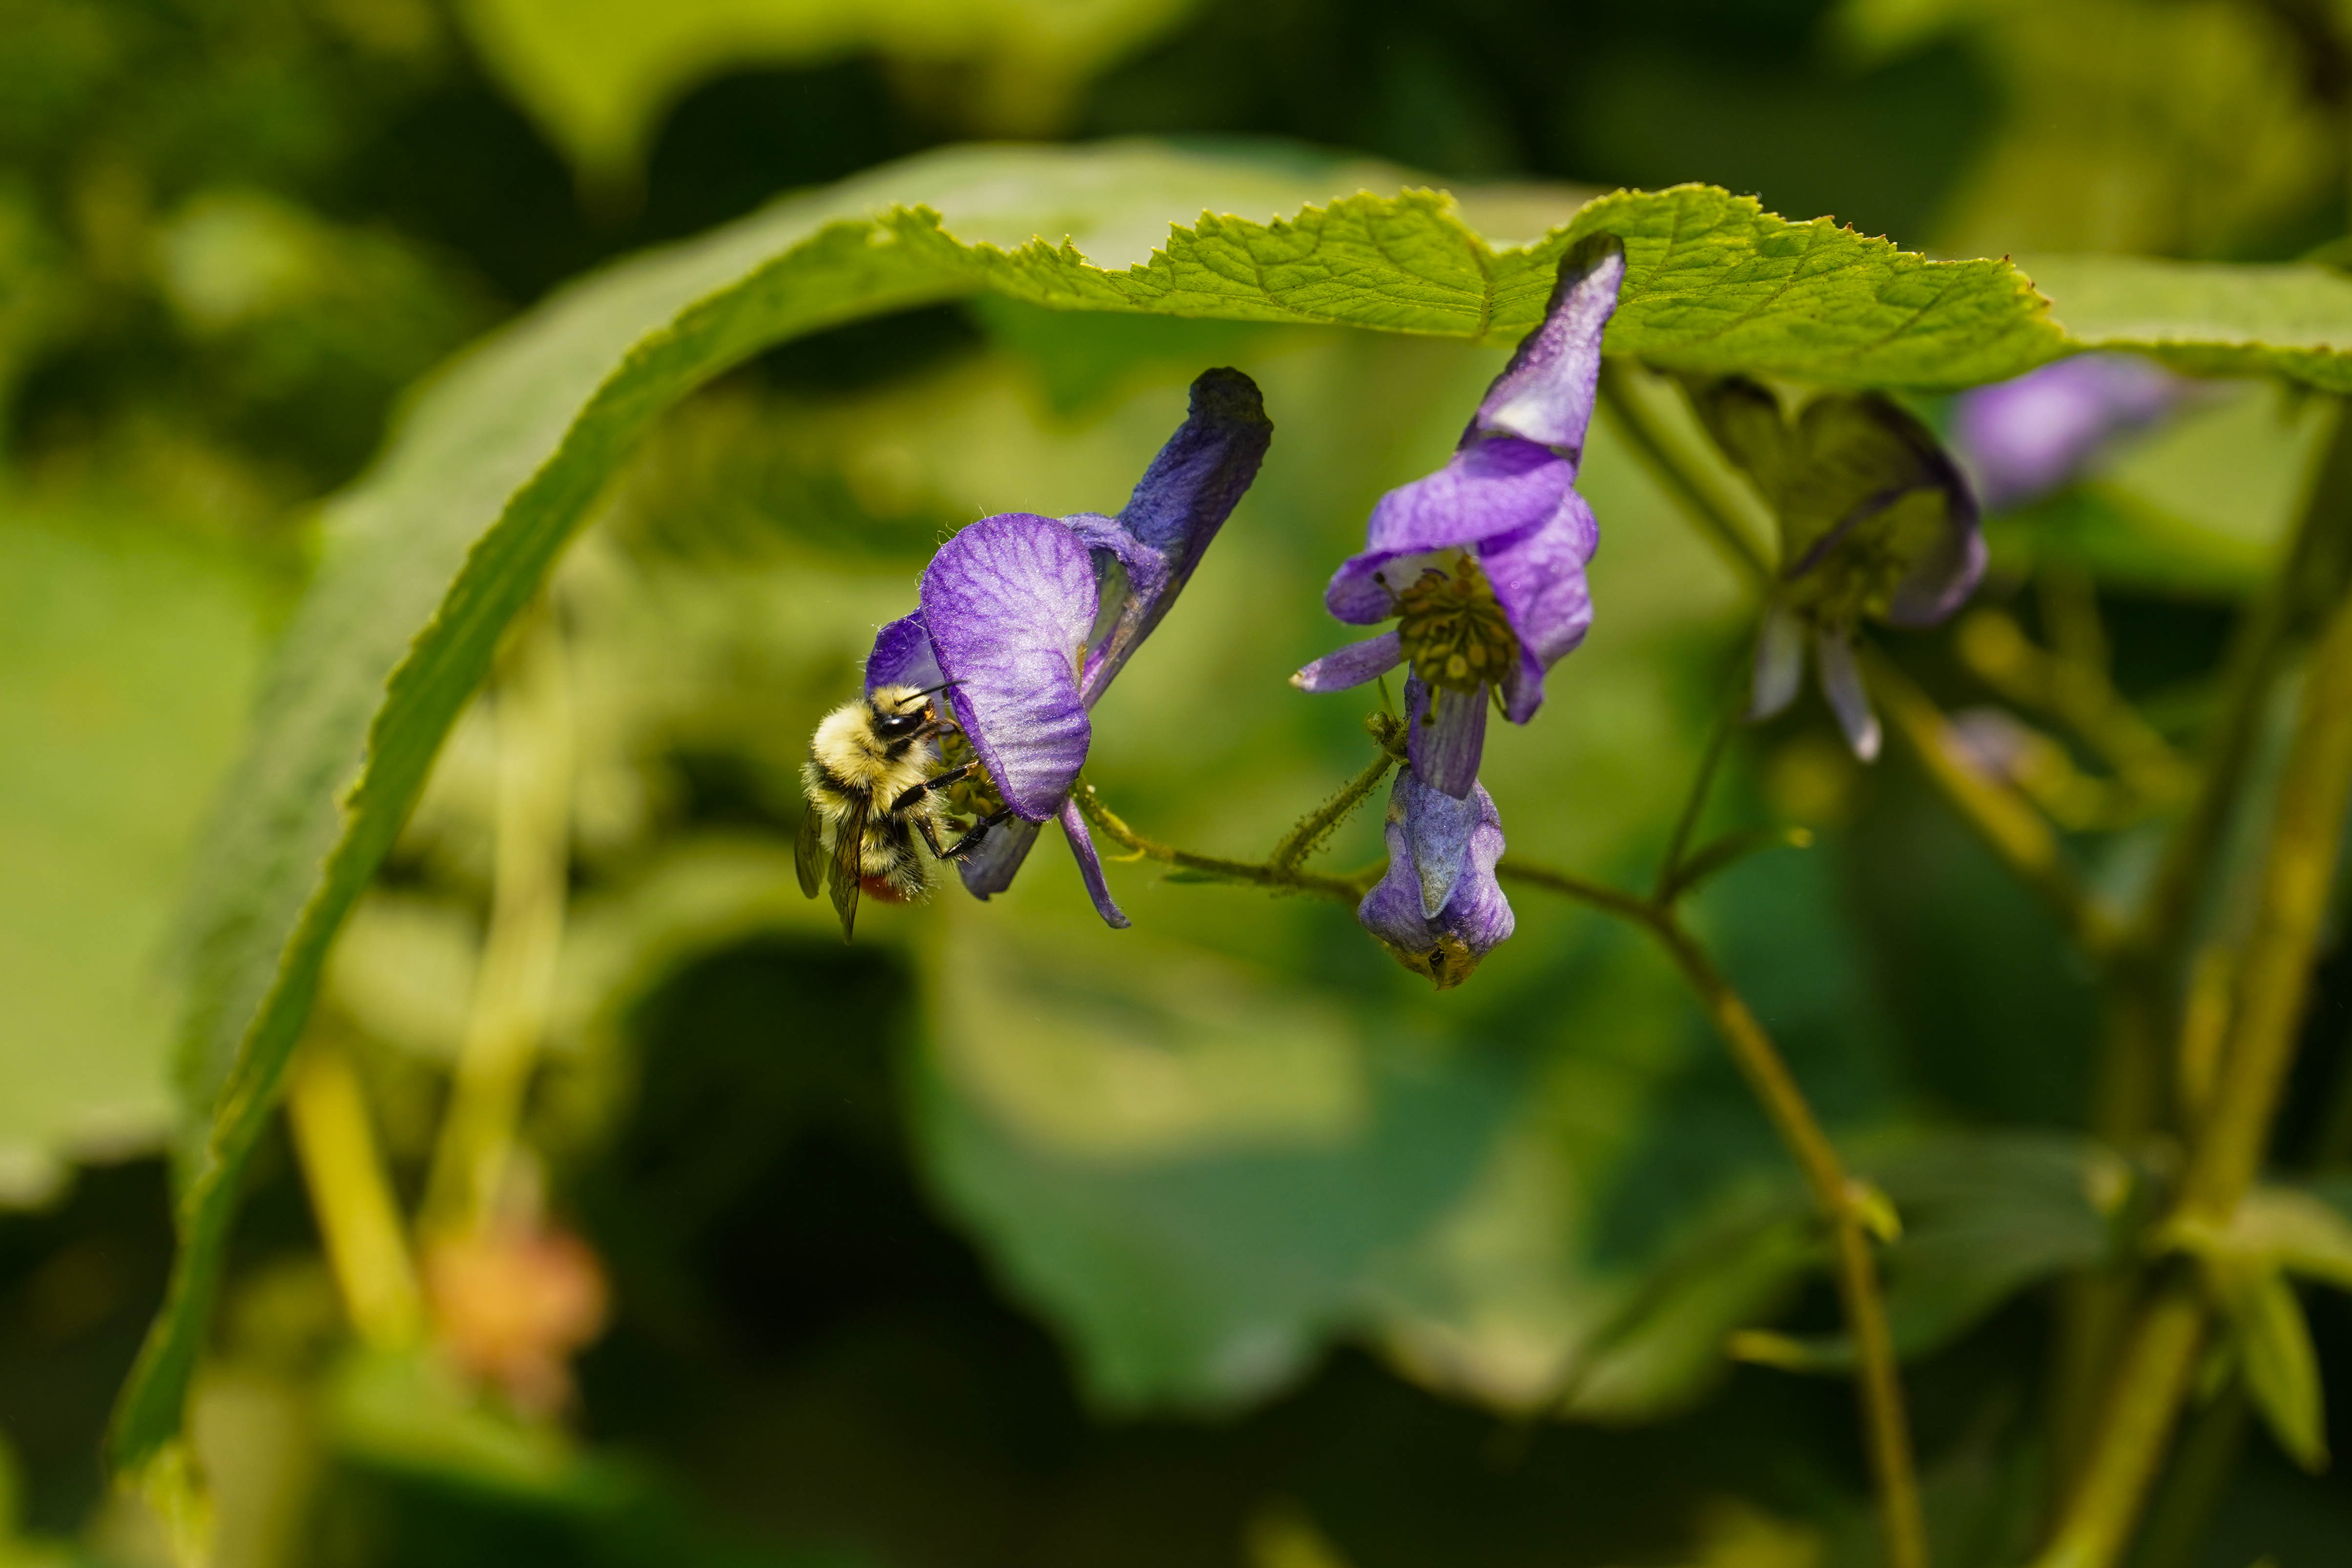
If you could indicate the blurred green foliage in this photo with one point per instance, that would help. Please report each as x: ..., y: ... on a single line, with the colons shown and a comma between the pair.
x: 1001, y: 1237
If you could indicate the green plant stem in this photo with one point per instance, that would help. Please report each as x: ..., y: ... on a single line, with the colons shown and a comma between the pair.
x: 1257, y: 873
x: 1718, y: 853
x: 352, y: 1197
x: 2258, y: 656
x: 1670, y: 877
x: 2159, y: 1356
x: 2142, y: 1016
x: 1302, y: 840
x: 1677, y: 464
x: 2199, y: 1473
x: 1840, y: 1198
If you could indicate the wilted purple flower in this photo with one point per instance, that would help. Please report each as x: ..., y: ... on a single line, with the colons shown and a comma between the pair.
x: 2024, y: 438
x: 1482, y: 564
x: 1877, y: 523
x: 1439, y: 908
x: 1030, y: 617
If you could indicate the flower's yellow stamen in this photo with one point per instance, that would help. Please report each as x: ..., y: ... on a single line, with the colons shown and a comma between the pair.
x: 1452, y: 630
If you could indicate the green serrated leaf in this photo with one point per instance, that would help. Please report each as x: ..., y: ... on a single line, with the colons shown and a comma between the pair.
x: 2281, y: 1366
x: 506, y: 451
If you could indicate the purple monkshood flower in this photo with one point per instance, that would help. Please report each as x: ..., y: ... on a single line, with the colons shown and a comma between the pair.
x: 1439, y: 908
x: 2026, y: 437
x: 1030, y: 617
x: 1482, y: 564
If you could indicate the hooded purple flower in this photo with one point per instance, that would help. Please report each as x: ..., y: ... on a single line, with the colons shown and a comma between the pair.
x: 1877, y: 523
x: 1482, y: 564
x: 1439, y: 908
x: 2024, y: 438
x: 1030, y: 617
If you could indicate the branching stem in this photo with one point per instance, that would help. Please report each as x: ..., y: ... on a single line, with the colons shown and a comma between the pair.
x: 1845, y: 1203
x: 1256, y: 873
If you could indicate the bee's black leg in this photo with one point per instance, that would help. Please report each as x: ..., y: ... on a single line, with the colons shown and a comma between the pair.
x: 937, y: 781
x: 970, y: 841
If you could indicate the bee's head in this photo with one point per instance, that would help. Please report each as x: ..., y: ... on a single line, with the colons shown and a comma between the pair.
x: 900, y: 711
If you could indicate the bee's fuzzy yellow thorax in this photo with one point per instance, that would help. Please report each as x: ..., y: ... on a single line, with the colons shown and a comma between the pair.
x: 847, y: 746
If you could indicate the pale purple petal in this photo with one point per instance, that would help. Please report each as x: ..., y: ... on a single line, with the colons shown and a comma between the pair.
x: 1476, y: 915
x: 1487, y: 489
x: 1540, y: 581
x: 1544, y: 394
x: 1437, y: 832
x: 1179, y: 505
x: 1779, y: 663
x: 991, y: 868
x: 1008, y: 602
x: 1352, y: 666
x: 1446, y: 743
x: 1081, y: 849
x: 1842, y: 684
x: 902, y: 656
x: 2024, y: 438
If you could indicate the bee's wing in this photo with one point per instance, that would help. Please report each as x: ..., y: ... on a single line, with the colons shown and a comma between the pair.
x: 808, y: 851
x: 849, y: 868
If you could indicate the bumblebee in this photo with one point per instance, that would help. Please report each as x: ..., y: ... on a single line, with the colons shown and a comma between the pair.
x: 868, y: 776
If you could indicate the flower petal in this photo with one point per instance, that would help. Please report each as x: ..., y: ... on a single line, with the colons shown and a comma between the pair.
x: 991, y: 868
x: 1544, y: 394
x: 1538, y: 578
x: 1448, y: 737
x: 1486, y: 490
x: 1842, y: 684
x: 902, y: 656
x: 1352, y: 666
x: 1008, y: 602
x: 1779, y: 663
x: 1476, y: 916
x: 1179, y: 505
x: 2026, y: 437
x: 1081, y: 849
x: 1437, y: 835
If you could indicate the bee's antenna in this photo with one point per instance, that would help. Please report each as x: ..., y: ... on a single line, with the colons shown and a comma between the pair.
x: 943, y: 686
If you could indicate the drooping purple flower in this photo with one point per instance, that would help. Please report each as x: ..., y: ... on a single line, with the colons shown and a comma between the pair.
x: 1877, y: 523
x: 1439, y: 908
x: 2024, y: 438
x: 1482, y: 564
x: 1031, y: 618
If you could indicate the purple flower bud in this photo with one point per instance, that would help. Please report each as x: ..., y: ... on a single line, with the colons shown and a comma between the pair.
x: 2024, y: 438
x: 1031, y: 618
x: 1482, y: 564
